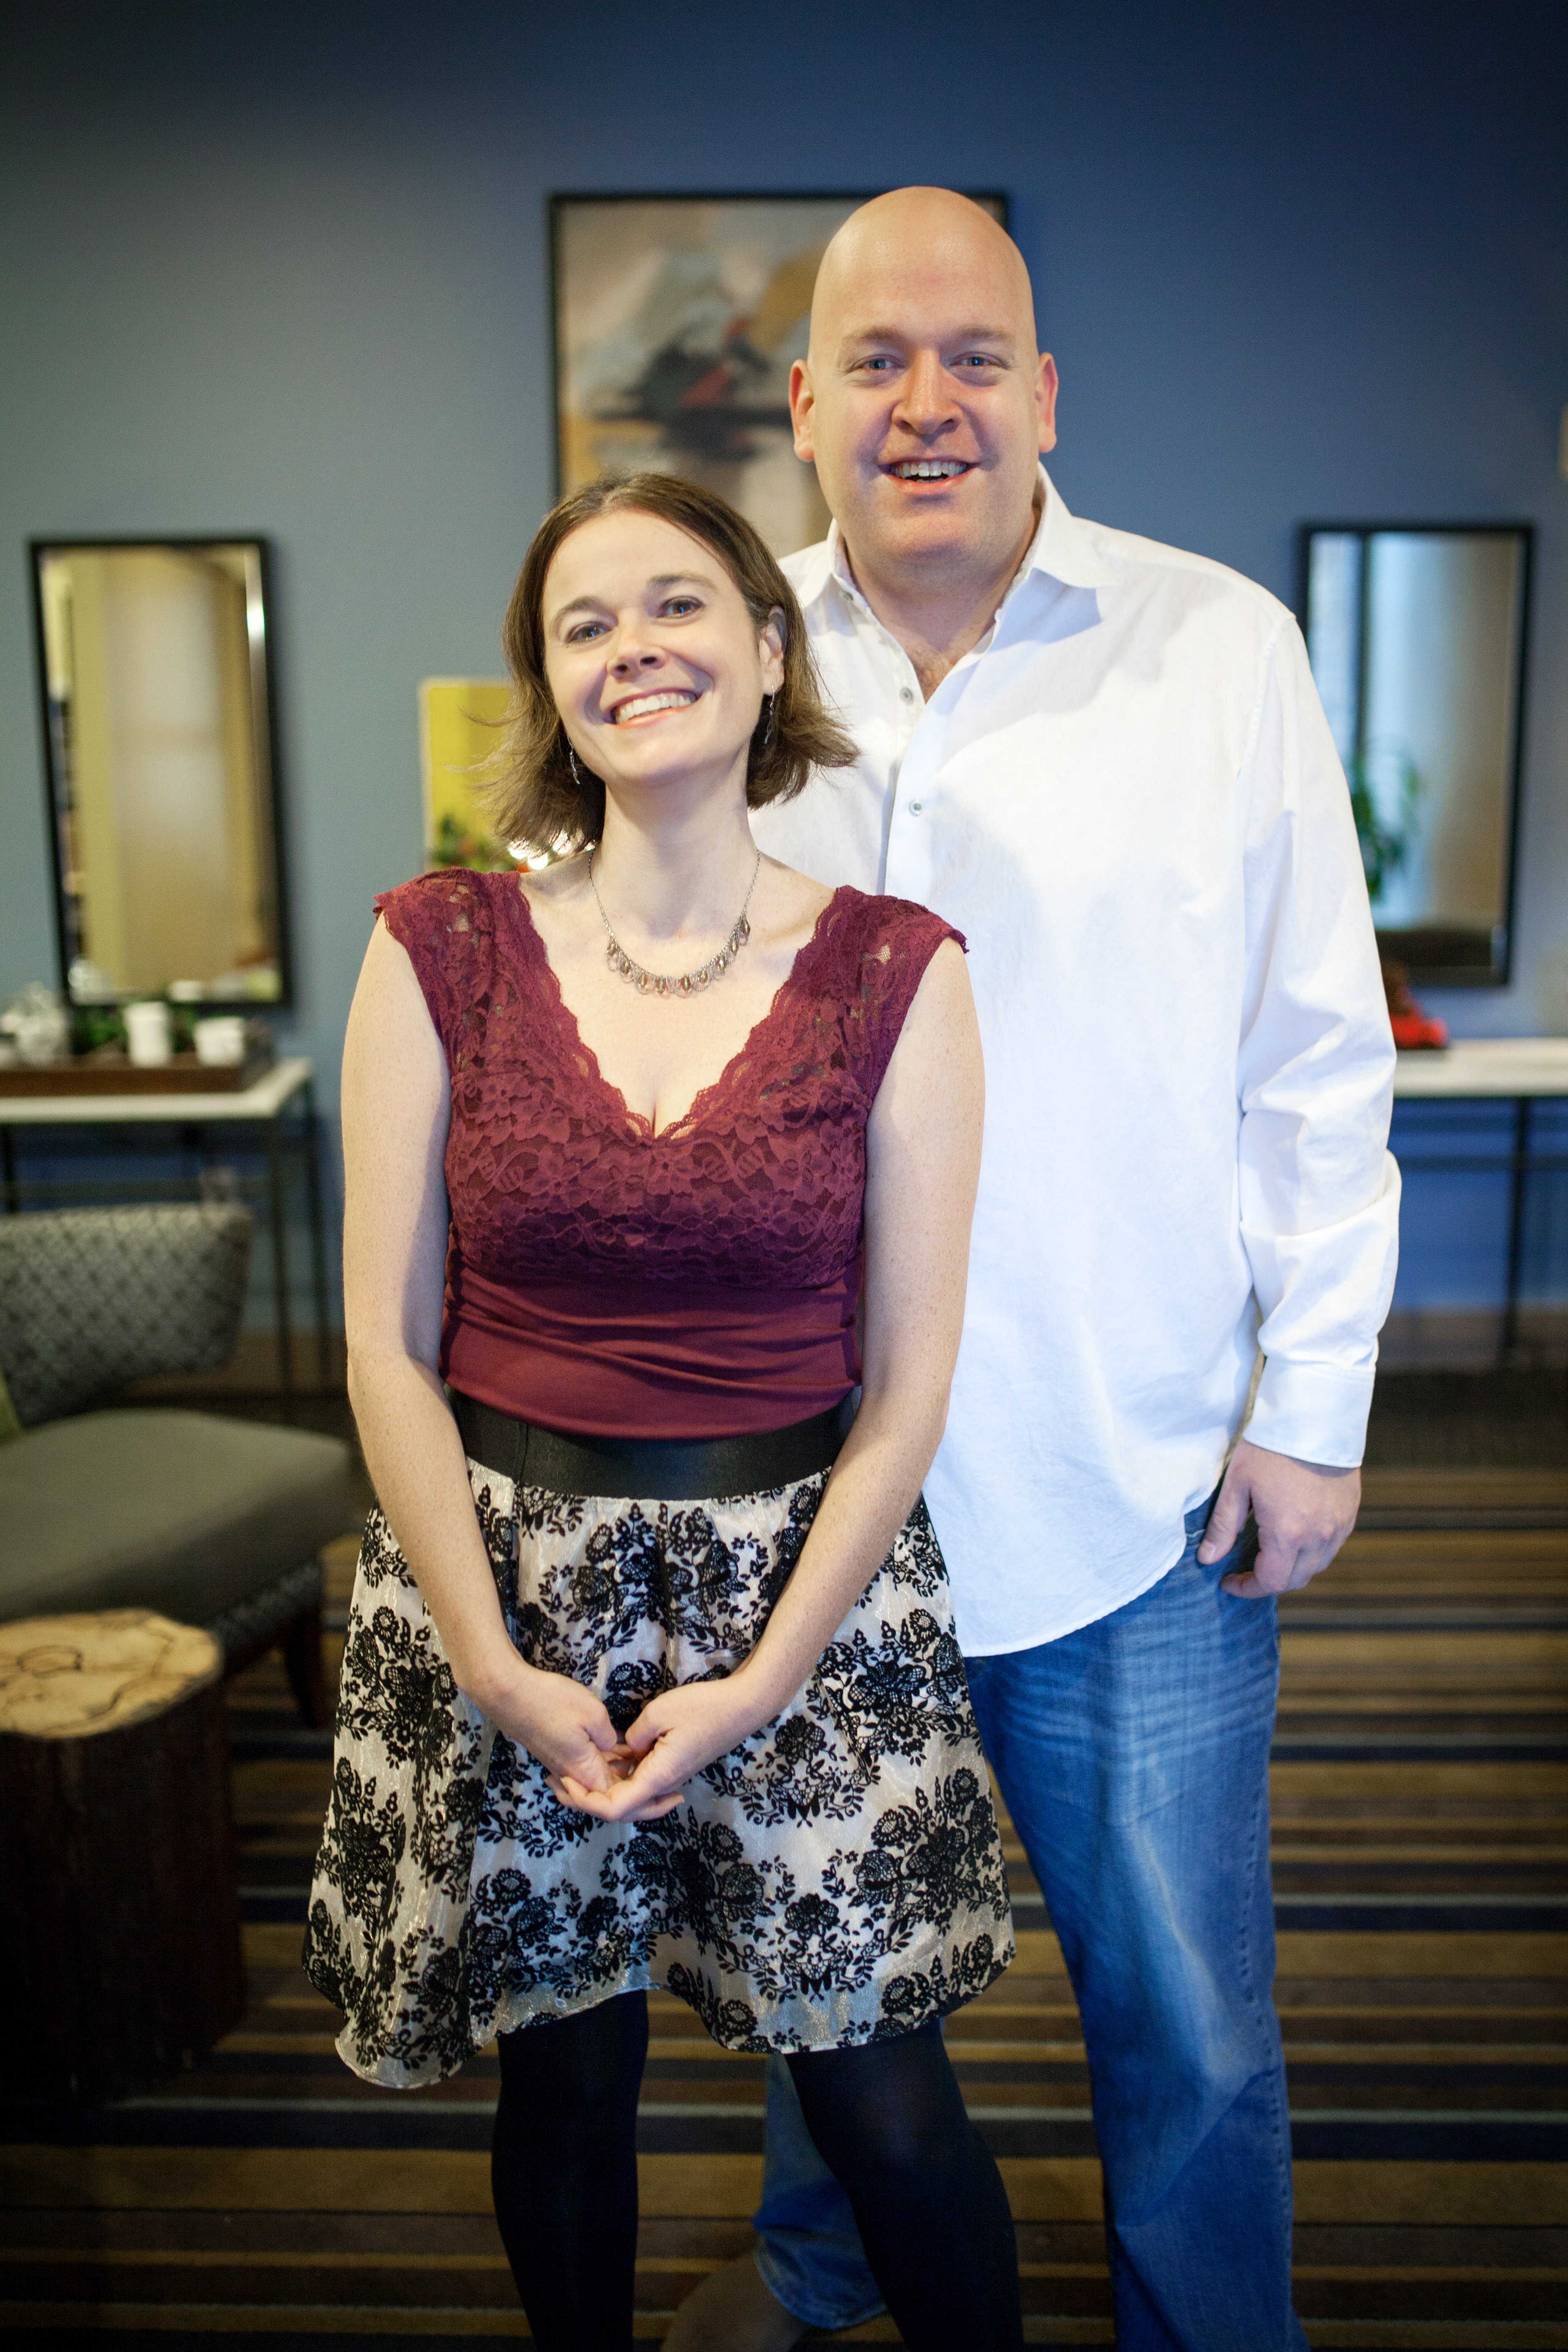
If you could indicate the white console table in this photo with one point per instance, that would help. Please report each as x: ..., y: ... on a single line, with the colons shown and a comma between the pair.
x: 1519, y: 1070
x: 282, y: 1104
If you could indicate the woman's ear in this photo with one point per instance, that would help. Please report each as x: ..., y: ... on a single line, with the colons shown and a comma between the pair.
x: 770, y: 643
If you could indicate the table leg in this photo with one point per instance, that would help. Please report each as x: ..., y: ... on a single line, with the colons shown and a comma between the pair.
x: 279, y: 1257
x: 318, y: 1236
x: 1508, y: 1341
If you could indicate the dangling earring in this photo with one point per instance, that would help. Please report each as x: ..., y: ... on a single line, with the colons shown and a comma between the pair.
x: 576, y: 770
x: 768, y: 738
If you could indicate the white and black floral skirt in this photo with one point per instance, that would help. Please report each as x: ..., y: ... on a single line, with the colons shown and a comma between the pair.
x: 836, y: 1878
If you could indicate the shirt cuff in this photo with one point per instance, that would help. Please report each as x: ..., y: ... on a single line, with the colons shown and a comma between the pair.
x: 1312, y: 1412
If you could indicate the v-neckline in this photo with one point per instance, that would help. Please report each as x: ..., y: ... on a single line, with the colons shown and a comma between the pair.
x: 644, y: 1127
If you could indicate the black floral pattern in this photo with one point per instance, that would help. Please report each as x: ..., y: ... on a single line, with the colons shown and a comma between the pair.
x: 836, y: 1878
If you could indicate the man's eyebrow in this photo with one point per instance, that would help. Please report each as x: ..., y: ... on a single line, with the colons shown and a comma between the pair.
x: 862, y: 336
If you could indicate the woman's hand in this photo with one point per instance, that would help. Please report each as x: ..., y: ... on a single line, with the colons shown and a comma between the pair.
x: 674, y: 1736
x: 562, y: 1726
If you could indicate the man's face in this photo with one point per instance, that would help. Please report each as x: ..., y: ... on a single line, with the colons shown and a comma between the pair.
x: 923, y: 403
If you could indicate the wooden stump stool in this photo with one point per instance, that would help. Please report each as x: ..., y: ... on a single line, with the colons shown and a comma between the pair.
x: 119, y: 1901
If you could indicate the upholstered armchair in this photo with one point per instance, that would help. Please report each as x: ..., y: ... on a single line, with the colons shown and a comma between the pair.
x: 214, y: 1521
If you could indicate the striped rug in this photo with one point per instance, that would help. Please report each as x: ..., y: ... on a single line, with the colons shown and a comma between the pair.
x: 1420, y: 1772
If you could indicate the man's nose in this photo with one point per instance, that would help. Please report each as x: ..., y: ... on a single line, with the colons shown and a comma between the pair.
x: 926, y: 402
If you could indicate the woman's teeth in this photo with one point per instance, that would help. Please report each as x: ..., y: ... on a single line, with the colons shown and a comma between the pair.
x: 639, y: 707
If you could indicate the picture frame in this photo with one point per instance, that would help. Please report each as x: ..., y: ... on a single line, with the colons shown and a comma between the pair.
x: 676, y: 321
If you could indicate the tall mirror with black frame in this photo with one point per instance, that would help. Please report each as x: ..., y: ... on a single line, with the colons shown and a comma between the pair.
x: 158, y: 710
x: 1417, y: 633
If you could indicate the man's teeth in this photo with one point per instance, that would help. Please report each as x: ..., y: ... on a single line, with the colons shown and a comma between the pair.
x: 929, y: 469
x: 643, y: 703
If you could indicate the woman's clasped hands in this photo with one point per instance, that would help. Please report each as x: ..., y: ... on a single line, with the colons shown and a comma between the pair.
x: 637, y: 1777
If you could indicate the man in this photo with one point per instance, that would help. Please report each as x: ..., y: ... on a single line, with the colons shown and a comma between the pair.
x: 1104, y: 762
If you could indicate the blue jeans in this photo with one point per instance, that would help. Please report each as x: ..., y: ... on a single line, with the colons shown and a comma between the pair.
x: 1133, y: 1756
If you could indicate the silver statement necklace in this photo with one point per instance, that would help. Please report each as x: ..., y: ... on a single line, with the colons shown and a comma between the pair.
x: 664, y: 983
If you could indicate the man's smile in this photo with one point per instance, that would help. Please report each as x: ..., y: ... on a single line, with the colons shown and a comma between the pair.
x: 929, y: 469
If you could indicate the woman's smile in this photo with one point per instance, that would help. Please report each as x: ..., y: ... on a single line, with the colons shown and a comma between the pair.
x: 651, y: 706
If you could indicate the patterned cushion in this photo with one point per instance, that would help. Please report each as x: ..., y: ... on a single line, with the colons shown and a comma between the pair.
x: 91, y: 1298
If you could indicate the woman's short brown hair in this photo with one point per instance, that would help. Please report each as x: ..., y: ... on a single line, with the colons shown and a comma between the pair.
x: 534, y: 797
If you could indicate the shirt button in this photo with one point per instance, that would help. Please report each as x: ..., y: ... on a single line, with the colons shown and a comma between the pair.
x: 906, y: 694
x: 915, y: 807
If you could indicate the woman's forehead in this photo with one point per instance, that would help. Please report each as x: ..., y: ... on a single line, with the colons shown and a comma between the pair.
x: 622, y: 551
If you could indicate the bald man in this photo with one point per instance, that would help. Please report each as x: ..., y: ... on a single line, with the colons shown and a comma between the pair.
x: 1104, y: 762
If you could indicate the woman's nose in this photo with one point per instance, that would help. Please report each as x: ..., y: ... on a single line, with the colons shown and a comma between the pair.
x: 631, y: 655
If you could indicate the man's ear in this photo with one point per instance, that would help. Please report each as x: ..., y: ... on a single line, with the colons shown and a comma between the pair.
x: 1045, y: 402
x: 802, y: 401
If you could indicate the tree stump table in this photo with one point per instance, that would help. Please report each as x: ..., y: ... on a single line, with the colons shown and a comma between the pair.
x: 118, y: 1900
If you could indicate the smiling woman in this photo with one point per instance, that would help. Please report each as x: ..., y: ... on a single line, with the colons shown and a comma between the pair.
x: 651, y: 1675
x: 540, y: 796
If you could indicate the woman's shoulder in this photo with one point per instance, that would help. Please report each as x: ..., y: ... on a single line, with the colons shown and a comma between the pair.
x: 890, y: 927
x: 447, y: 919
x: 455, y: 898
x: 884, y: 947
x: 446, y: 922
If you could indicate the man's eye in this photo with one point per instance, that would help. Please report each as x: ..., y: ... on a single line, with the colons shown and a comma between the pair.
x: 978, y: 359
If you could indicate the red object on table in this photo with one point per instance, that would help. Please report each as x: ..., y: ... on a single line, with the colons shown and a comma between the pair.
x: 1413, y: 1029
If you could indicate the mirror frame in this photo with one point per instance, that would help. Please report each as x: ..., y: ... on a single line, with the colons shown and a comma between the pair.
x: 1430, y: 969
x: 264, y: 720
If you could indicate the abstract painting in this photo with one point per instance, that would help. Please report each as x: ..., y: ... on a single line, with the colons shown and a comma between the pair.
x: 677, y: 321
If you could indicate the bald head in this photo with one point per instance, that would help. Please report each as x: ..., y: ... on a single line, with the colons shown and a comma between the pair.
x: 917, y: 240
x: 923, y: 400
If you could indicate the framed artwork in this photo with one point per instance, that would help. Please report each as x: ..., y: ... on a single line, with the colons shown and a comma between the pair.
x: 459, y: 727
x: 677, y: 321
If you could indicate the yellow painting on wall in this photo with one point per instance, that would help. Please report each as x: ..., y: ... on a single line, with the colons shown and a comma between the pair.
x: 459, y: 730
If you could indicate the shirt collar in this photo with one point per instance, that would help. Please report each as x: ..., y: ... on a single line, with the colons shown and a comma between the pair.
x: 1061, y: 549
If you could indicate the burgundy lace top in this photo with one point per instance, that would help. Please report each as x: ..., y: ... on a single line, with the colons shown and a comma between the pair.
x: 701, y: 1282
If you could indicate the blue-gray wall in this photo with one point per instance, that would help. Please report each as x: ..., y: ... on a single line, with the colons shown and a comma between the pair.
x: 285, y: 271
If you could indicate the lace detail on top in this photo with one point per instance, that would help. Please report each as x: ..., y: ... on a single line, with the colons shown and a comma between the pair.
x: 579, y: 1235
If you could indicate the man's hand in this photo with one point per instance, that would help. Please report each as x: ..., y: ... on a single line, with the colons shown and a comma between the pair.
x: 674, y: 1736
x: 1304, y: 1511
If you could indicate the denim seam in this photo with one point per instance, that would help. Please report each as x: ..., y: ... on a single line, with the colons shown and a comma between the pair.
x: 819, y: 2316
x: 1283, y: 2185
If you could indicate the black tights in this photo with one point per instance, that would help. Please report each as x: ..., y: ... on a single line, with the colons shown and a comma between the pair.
x: 888, y: 2120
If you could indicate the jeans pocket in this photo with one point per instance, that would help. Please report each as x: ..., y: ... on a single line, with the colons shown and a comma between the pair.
x: 1235, y: 1562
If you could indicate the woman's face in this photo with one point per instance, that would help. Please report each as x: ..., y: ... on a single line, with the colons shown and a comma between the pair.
x: 656, y: 665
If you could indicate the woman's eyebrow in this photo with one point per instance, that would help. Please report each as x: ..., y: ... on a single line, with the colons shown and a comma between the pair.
x: 602, y: 603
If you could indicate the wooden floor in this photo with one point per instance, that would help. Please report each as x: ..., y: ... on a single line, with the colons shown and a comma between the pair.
x: 1421, y: 1866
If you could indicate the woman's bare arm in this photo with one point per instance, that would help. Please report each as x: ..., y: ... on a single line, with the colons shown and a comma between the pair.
x: 922, y: 1168
x: 396, y: 1111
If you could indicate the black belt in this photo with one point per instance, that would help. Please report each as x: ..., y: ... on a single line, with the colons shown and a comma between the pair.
x: 650, y: 1469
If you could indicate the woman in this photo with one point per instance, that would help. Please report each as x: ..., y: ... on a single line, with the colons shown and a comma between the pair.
x: 650, y: 1676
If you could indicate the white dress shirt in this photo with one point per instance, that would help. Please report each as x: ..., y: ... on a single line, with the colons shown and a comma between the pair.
x: 1126, y: 798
